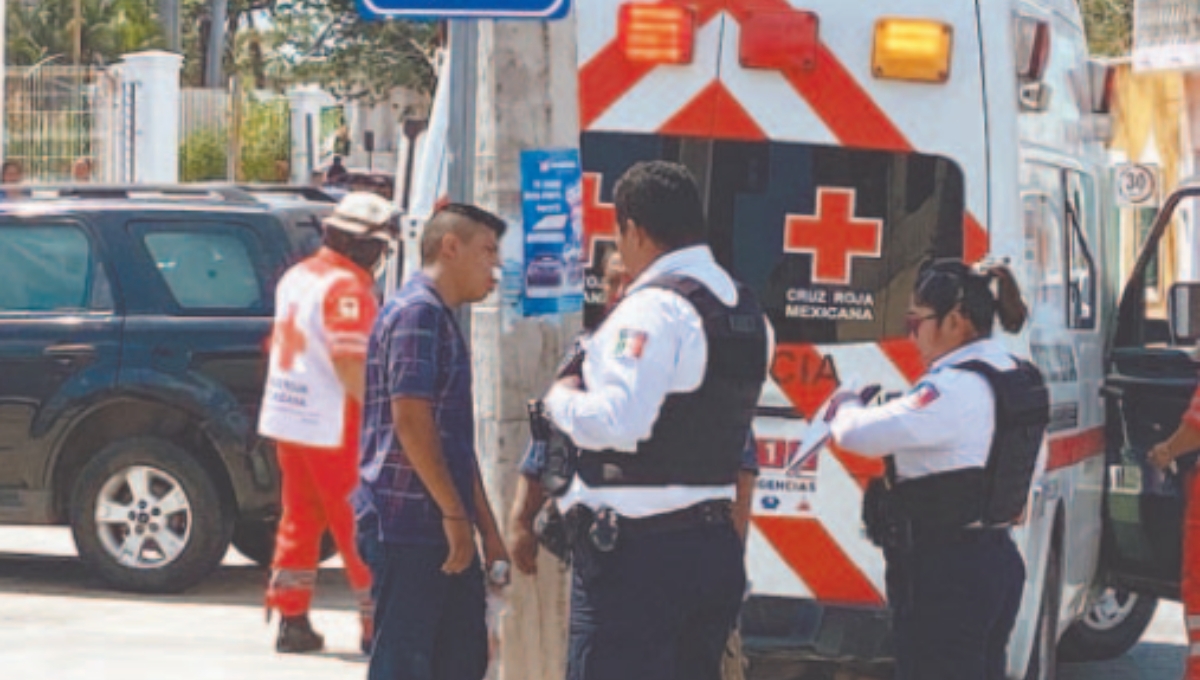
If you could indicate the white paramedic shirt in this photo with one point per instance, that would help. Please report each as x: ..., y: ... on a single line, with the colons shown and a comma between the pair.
x: 650, y: 346
x: 944, y: 423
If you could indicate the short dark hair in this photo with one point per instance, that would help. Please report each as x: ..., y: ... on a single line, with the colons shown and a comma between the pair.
x: 661, y: 198
x: 443, y: 222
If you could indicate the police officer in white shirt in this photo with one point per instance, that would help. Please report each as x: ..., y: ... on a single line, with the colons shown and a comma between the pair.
x: 942, y: 513
x: 661, y: 415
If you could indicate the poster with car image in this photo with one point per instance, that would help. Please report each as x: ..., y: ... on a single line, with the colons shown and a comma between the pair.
x: 552, y: 277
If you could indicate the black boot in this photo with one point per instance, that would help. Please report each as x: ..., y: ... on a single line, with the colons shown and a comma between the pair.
x: 296, y: 636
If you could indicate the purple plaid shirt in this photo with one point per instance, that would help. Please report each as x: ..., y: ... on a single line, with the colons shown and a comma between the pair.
x: 416, y: 351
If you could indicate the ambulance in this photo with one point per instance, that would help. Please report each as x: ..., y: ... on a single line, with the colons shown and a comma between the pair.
x: 837, y: 145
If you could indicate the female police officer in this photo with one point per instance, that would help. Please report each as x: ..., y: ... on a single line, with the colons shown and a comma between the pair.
x: 954, y: 576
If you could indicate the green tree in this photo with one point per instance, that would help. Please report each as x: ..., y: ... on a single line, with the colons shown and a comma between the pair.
x: 111, y: 28
x: 326, y: 41
x: 1109, y: 25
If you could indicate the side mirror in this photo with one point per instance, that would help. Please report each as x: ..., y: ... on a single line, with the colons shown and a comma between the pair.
x: 1184, y: 311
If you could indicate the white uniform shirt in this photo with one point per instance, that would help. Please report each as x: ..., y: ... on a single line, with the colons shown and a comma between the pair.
x: 651, y: 345
x: 945, y: 423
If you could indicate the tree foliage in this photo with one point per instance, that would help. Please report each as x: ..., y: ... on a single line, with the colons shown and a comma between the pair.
x: 326, y: 41
x: 1109, y: 25
x: 45, y: 29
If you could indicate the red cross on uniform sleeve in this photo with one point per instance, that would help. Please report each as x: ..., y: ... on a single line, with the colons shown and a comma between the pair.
x: 599, y: 219
x: 833, y: 236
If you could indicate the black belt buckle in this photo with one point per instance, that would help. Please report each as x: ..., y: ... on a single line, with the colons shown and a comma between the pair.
x: 605, y: 529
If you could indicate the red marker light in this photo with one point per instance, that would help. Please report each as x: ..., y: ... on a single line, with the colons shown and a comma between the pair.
x: 661, y: 33
x: 779, y: 41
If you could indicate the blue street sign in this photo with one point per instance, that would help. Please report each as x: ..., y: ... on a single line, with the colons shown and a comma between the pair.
x: 464, y: 9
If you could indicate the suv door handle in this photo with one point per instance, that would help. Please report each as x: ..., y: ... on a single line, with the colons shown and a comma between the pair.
x: 70, y: 354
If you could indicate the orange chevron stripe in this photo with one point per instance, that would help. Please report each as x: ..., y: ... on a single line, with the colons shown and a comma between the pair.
x: 816, y: 557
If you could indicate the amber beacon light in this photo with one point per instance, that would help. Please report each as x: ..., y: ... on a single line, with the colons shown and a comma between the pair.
x: 659, y: 33
x: 912, y: 49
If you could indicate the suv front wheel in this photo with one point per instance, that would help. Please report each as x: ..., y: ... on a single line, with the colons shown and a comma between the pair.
x: 147, y: 517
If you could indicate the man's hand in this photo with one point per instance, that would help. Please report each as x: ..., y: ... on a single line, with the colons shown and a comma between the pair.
x: 530, y: 498
x: 493, y: 549
x: 461, y: 538
x: 1161, y: 456
x: 524, y: 547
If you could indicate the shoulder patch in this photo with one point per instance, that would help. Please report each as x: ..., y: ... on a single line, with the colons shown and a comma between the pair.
x: 348, y: 308
x: 630, y: 344
x: 922, y: 396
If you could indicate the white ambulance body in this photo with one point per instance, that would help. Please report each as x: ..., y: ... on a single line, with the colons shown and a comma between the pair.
x: 837, y: 145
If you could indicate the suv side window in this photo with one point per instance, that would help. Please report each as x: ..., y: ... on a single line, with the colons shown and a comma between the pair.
x: 206, y: 269
x: 50, y: 268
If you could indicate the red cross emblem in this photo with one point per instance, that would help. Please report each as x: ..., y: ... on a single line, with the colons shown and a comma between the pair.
x: 599, y: 219
x: 289, y: 340
x: 834, y: 236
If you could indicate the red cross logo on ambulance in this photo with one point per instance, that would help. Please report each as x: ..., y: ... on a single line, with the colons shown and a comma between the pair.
x: 834, y: 237
x: 599, y: 219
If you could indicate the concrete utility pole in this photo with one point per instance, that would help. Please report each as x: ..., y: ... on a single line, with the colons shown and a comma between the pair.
x: 526, y: 100
x: 168, y: 16
x: 216, y: 43
x: 3, y: 76
x: 78, y: 32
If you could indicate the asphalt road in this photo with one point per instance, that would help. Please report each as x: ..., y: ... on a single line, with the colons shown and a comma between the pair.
x: 58, y: 622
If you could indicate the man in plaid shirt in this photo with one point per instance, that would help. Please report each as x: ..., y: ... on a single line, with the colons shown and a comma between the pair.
x: 421, y: 495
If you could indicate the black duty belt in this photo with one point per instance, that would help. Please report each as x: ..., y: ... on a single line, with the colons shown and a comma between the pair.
x: 942, y: 536
x: 707, y: 513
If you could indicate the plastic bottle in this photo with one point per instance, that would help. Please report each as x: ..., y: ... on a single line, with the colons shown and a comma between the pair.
x: 497, y: 611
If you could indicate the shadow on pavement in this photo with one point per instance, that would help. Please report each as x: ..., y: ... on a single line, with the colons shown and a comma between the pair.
x: 228, y: 585
x: 1147, y: 661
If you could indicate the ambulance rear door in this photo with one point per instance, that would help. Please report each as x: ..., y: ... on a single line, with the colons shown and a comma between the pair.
x: 825, y: 188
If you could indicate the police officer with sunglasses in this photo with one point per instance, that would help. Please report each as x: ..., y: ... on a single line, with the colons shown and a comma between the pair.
x: 961, y: 449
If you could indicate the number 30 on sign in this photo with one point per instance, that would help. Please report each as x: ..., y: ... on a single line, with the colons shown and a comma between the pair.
x: 1137, y: 185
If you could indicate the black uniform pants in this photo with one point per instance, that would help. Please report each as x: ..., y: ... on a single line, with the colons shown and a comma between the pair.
x: 954, y: 604
x: 657, y: 607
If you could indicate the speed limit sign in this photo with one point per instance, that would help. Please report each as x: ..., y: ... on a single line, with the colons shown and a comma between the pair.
x: 1137, y: 185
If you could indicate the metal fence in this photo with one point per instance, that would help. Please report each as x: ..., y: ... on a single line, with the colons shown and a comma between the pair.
x: 56, y: 116
x: 204, y: 135
x: 234, y: 135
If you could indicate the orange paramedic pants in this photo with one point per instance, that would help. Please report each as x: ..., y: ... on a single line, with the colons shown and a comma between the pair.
x: 317, y: 483
x: 1190, y: 574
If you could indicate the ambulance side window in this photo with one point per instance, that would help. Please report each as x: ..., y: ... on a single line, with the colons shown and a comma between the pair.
x: 1080, y: 223
x: 1044, y: 251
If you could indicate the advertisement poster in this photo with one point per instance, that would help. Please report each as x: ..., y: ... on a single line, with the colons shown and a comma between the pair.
x: 551, y: 212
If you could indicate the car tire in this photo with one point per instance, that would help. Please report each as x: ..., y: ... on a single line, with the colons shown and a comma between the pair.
x: 1112, y: 626
x: 147, y: 517
x: 1043, y: 659
x: 255, y: 540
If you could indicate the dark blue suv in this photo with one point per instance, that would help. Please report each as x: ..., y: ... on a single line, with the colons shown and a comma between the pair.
x: 133, y: 325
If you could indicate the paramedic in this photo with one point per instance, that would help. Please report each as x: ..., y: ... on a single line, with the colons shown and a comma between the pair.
x: 1185, y: 440
x: 660, y: 414
x: 954, y: 581
x: 324, y: 309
